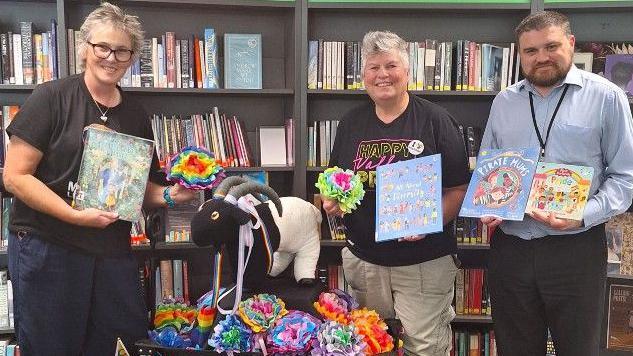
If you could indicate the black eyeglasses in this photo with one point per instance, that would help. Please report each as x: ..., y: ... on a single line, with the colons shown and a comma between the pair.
x: 103, y: 52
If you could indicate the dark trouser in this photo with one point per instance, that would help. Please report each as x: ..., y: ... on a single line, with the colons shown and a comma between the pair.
x: 554, y: 282
x: 69, y: 304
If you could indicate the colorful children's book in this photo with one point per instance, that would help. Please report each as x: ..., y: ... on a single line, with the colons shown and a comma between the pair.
x: 409, y: 198
x: 500, y: 184
x: 561, y: 189
x: 113, y: 172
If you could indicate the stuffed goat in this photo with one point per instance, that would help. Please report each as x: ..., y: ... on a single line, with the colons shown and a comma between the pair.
x: 282, y: 229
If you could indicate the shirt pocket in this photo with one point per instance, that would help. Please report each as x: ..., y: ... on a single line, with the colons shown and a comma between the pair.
x: 573, y: 144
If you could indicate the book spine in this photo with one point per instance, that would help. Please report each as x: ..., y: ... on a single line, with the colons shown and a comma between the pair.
x: 211, y: 53
x: 26, y: 32
x: 5, y: 65
x: 17, y: 59
x: 313, y: 49
x: 170, y: 50
x: 54, y: 51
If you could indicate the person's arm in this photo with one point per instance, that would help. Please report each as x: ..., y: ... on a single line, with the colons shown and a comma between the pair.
x: 155, y: 195
x: 21, y: 162
x: 452, y: 199
x: 615, y: 194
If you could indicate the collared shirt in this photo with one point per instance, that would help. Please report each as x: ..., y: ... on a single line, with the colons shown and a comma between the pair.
x: 593, y: 128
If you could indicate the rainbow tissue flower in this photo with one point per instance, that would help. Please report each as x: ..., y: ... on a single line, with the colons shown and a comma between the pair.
x: 343, y: 186
x: 195, y: 168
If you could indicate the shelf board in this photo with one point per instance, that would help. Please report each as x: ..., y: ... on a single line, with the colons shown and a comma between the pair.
x: 144, y: 247
x: 589, y: 5
x: 619, y: 276
x: 215, y: 3
x: 178, y: 246
x: 3, y: 251
x: 462, y: 246
x: 257, y: 169
x: 418, y: 5
x: 315, y: 169
x: 214, y: 92
x: 479, y: 319
x: 333, y: 243
x: 322, y: 92
x: 16, y: 88
x: 7, y: 331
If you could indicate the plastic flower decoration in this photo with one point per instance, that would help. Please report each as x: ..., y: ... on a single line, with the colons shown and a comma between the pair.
x: 294, y: 333
x: 343, y: 186
x: 195, y: 168
x: 335, y: 305
x: 373, y: 330
x: 261, y: 311
x: 231, y: 335
x: 337, y: 339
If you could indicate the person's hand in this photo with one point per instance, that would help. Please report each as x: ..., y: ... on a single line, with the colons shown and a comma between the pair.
x: 92, y: 217
x: 411, y: 238
x: 551, y: 220
x: 331, y: 207
x: 491, y: 221
x: 180, y: 194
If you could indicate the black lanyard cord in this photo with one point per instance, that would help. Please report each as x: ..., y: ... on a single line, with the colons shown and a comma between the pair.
x: 551, y: 121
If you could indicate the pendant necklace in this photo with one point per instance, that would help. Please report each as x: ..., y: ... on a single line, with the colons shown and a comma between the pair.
x: 103, y: 117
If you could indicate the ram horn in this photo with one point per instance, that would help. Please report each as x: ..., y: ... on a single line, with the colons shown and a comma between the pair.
x: 222, y: 190
x: 253, y: 187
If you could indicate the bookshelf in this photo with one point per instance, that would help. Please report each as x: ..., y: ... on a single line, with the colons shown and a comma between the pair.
x: 286, y: 28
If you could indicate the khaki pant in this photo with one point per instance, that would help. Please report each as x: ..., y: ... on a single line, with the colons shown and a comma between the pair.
x: 419, y: 295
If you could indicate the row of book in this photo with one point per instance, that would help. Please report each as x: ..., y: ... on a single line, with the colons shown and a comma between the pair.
x: 471, y: 292
x: 27, y: 57
x: 469, y: 342
x: 190, y: 62
x: 6, y: 301
x: 172, y: 281
x: 333, y: 277
x: 7, y: 113
x: 7, y: 203
x: 433, y: 65
x: 225, y: 136
x: 471, y: 231
x: 321, y: 135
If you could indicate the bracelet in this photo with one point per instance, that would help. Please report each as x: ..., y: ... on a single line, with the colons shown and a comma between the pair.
x: 170, y: 202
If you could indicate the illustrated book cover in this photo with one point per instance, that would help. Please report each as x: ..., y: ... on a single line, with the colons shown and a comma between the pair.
x: 113, y: 173
x: 561, y: 189
x: 620, y: 318
x: 500, y: 184
x: 409, y: 198
x: 242, y: 61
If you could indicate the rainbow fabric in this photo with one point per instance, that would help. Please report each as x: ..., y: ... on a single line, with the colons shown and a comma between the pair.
x: 195, y: 168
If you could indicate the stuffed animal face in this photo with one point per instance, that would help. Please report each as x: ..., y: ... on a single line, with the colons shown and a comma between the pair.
x: 217, y: 223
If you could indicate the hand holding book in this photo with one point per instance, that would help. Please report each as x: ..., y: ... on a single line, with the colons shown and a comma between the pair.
x: 552, y: 220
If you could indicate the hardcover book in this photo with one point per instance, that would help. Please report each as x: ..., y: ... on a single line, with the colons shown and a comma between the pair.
x: 409, y: 198
x: 242, y: 61
x: 561, y: 189
x: 500, y: 184
x: 620, y: 318
x: 113, y: 173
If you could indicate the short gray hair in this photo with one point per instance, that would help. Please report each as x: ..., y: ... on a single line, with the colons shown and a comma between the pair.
x: 377, y: 42
x: 110, y: 14
x: 541, y: 20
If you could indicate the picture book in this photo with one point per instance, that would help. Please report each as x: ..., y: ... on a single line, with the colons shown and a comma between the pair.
x: 620, y: 318
x: 561, y: 189
x: 242, y: 61
x: 113, y: 173
x: 409, y: 198
x: 618, y: 68
x: 500, y: 184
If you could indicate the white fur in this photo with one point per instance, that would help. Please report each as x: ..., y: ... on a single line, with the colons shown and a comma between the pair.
x: 299, y: 230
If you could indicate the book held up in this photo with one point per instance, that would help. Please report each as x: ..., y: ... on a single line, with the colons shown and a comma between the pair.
x: 113, y: 173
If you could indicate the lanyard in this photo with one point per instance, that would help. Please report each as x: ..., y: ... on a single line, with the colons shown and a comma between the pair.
x: 551, y: 121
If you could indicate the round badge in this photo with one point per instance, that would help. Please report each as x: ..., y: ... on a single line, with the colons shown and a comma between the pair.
x: 415, y: 147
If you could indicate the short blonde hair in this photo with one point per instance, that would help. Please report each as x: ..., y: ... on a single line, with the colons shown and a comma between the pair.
x: 377, y: 42
x: 110, y: 14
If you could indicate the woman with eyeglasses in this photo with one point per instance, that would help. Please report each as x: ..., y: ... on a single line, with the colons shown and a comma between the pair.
x: 75, y: 281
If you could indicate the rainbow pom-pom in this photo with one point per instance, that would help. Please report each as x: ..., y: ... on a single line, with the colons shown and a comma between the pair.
x: 195, y: 168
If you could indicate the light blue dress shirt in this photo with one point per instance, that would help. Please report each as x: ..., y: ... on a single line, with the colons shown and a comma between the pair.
x: 593, y: 128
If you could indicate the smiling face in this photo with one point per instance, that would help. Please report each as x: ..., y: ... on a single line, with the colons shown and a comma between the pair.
x: 106, y: 71
x: 385, y: 77
x: 546, y: 55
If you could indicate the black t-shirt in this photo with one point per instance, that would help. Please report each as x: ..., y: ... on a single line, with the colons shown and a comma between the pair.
x: 52, y: 120
x: 363, y: 142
